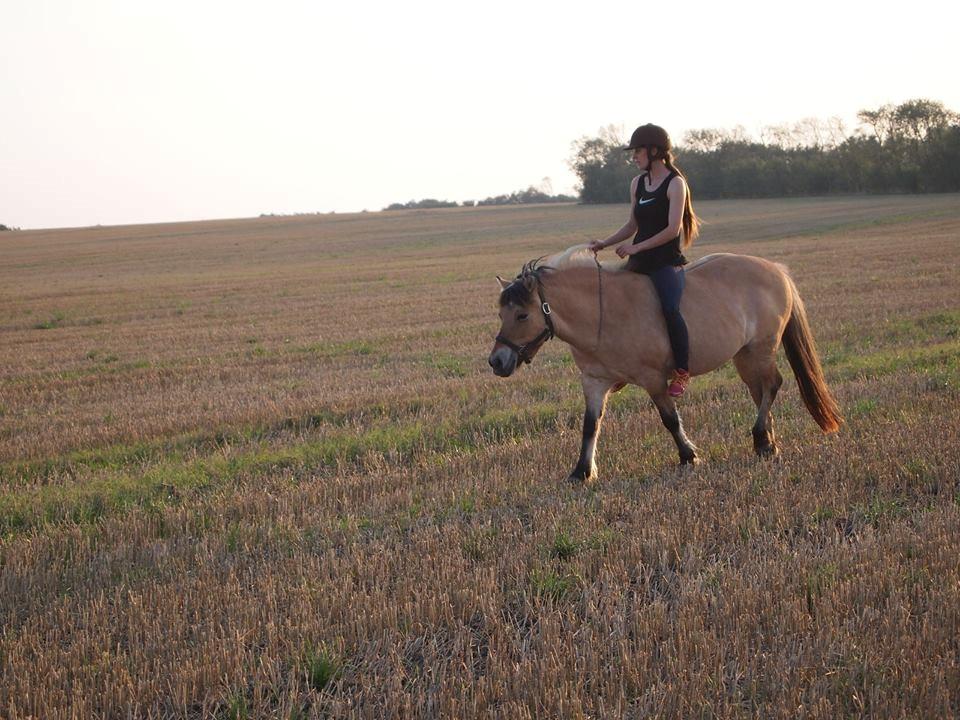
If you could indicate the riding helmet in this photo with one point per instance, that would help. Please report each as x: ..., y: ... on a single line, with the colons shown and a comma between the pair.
x: 647, y: 135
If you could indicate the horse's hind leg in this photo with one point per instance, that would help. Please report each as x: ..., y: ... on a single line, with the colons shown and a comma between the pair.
x: 671, y: 421
x: 758, y: 369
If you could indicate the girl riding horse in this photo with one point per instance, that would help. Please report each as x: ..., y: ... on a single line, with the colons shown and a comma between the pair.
x: 660, y: 208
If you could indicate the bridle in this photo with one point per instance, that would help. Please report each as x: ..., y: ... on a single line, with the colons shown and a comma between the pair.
x: 522, y: 351
x: 548, y: 332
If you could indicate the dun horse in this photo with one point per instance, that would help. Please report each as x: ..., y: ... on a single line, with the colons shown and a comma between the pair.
x: 735, y: 306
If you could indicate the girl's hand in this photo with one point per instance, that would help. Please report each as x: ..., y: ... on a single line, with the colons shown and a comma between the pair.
x: 625, y: 250
x: 595, y: 246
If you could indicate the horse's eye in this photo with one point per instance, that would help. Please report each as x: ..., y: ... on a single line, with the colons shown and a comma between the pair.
x: 521, y: 317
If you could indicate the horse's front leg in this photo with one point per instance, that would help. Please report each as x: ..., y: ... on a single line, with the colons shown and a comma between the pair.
x: 595, y: 392
x: 671, y: 420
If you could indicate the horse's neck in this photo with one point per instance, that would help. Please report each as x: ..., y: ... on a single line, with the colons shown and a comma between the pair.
x: 573, y: 295
x: 576, y: 296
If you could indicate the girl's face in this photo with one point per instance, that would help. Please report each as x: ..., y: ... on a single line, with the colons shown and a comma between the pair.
x: 640, y: 158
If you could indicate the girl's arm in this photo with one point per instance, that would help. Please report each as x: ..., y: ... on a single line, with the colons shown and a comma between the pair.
x: 677, y: 194
x: 627, y: 231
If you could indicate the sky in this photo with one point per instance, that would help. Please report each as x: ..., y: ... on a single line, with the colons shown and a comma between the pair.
x: 127, y: 111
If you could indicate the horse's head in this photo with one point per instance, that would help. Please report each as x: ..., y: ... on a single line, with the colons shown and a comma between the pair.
x: 525, y: 323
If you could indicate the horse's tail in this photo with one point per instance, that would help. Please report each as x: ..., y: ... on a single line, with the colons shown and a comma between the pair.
x: 802, y: 354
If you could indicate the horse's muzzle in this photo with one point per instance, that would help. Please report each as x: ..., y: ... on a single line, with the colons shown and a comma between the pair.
x: 503, y: 360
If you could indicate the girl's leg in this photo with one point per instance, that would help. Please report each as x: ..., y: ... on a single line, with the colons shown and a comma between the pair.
x: 669, y: 282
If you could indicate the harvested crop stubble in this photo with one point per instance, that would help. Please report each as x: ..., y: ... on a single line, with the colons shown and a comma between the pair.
x: 250, y: 469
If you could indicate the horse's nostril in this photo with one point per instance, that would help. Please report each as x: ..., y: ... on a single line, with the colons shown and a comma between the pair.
x: 495, y: 363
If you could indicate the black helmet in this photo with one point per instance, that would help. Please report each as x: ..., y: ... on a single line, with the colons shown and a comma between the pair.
x: 647, y: 135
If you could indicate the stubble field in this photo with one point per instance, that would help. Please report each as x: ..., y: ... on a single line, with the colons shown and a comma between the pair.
x: 260, y: 468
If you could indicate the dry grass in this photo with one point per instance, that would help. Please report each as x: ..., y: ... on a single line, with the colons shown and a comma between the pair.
x: 259, y: 469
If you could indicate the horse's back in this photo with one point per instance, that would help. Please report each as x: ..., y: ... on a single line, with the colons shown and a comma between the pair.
x: 736, y: 279
x: 745, y: 265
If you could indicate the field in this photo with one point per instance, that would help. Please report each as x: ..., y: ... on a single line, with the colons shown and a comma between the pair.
x: 260, y: 468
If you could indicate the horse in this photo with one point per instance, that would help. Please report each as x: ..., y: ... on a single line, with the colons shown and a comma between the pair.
x: 736, y: 307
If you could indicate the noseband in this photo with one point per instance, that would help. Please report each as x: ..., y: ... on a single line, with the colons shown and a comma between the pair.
x: 545, y: 334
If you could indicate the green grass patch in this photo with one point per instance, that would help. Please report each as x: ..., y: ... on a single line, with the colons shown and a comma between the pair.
x: 936, y: 326
x: 118, y: 457
x: 237, y: 707
x: 94, y: 484
x: 447, y: 365
x: 817, y: 582
x: 349, y: 348
x: 320, y: 667
x: 942, y: 359
x: 514, y: 423
x: 551, y: 585
x: 88, y: 502
x: 898, y: 219
x: 564, y: 546
x: 861, y: 408
x: 880, y: 510
x: 54, y: 321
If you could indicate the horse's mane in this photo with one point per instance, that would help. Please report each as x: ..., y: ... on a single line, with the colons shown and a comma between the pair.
x: 519, y: 291
x: 576, y: 256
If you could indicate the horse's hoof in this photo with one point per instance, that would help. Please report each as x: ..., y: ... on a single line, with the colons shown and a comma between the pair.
x: 575, y: 478
x: 691, y: 460
x: 768, y: 451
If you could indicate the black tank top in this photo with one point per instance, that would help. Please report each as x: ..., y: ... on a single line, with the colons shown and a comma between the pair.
x: 652, y: 213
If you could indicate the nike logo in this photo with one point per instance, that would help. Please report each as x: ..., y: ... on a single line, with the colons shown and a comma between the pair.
x: 644, y: 202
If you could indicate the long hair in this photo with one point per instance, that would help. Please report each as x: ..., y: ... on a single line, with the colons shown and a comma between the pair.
x: 690, y: 224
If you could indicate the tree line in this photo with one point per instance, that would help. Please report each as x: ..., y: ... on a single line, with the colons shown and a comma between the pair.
x: 913, y: 147
x: 532, y: 194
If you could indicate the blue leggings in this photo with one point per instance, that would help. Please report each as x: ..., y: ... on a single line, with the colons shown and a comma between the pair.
x: 669, y: 281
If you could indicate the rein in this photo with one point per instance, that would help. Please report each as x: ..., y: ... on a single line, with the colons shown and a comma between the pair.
x: 599, y: 299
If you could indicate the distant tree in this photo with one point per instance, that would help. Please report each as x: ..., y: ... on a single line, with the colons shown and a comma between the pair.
x: 911, y: 147
x: 526, y: 197
x: 880, y: 121
x: 916, y: 118
x: 603, y: 167
x: 939, y: 159
x: 704, y: 141
x: 4, y: 228
x: 711, y: 139
x: 428, y: 203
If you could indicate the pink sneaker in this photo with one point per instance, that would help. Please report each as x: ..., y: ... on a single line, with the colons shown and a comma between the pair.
x: 678, y: 383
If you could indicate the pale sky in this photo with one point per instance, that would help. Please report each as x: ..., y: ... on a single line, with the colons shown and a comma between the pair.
x: 127, y: 111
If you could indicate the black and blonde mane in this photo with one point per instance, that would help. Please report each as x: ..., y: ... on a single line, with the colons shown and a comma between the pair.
x: 519, y: 291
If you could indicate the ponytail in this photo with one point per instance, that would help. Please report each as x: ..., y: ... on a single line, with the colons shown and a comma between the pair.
x: 690, y: 225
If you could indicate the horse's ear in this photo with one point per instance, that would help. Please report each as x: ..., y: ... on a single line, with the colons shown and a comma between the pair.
x: 503, y: 283
x: 530, y: 282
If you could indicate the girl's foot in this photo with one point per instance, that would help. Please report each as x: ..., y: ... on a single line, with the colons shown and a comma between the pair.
x: 678, y: 383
